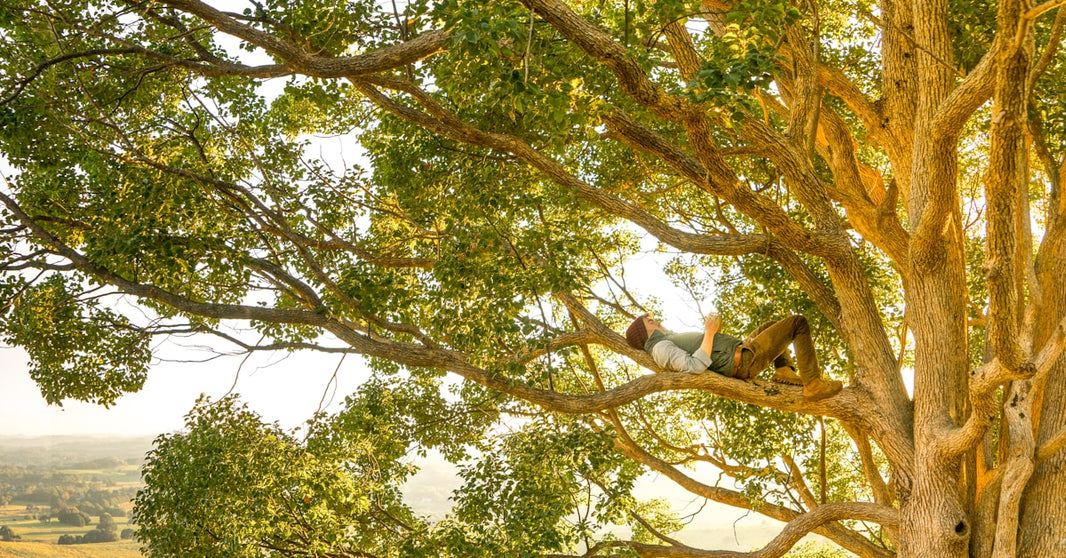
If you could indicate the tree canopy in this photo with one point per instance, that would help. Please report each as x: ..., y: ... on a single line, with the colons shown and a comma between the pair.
x: 890, y: 169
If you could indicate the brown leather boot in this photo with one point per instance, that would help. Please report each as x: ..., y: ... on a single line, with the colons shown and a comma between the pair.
x: 819, y: 389
x: 787, y: 375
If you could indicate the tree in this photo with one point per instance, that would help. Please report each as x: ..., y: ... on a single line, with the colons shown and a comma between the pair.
x: 7, y: 534
x: 243, y: 480
x: 73, y: 516
x: 106, y: 523
x: 891, y: 169
x: 106, y: 531
x: 98, y: 535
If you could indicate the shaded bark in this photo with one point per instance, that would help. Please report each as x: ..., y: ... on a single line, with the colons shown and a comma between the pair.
x: 1043, y: 517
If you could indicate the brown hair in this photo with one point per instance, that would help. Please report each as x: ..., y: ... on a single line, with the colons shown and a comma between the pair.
x: 637, y: 334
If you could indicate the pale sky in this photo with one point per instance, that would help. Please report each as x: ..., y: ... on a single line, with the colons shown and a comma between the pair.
x: 287, y: 390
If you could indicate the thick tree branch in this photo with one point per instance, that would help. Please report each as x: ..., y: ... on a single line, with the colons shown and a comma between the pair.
x: 1016, y: 470
x: 987, y: 379
x: 837, y: 84
x: 795, y: 163
x: 601, y: 47
x: 805, y: 99
x: 798, y: 524
x: 300, y: 60
x: 759, y: 208
x: 877, y: 222
x: 942, y: 111
x: 967, y: 97
x: 683, y: 50
x: 1054, y: 444
x: 1007, y: 182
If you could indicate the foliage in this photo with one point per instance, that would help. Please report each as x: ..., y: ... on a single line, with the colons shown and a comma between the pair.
x: 73, y: 516
x: 56, y: 331
x: 8, y: 534
x: 97, y: 535
x: 330, y: 492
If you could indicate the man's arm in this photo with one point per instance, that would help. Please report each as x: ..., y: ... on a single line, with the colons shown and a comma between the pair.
x: 668, y: 355
x: 711, y: 325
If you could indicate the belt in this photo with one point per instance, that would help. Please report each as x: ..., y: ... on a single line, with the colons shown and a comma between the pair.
x: 736, y: 359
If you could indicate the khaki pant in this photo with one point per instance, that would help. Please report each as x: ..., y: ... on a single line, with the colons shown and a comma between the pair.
x: 769, y: 343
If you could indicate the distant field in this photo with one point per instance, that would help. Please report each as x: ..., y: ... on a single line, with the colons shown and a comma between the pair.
x: 22, y: 549
x: 33, y: 530
x: 74, y: 466
x: 124, y: 474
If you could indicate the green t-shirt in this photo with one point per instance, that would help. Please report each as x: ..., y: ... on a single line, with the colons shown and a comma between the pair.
x: 723, y: 348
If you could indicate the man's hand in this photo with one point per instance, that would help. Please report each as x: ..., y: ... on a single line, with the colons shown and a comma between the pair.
x: 712, y: 324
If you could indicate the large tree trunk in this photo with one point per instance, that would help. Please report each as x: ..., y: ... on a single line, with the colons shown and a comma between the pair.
x: 935, y: 522
x: 1043, y: 515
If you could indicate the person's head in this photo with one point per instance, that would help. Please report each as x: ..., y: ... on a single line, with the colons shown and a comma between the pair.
x: 638, y: 331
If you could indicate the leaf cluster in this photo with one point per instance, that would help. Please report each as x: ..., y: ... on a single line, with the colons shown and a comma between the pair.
x: 78, y: 349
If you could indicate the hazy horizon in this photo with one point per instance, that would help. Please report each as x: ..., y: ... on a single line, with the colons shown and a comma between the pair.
x: 428, y: 492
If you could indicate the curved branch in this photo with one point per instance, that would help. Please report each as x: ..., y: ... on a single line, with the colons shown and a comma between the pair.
x: 798, y: 524
x: 879, y: 223
x: 826, y: 513
x: 868, y: 113
x: 801, y: 177
x: 297, y: 57
x: 766, y: 212
x: 967, y: 97
x: 1053, y: 44
x: 1052, y: 446
x: 987, y: 380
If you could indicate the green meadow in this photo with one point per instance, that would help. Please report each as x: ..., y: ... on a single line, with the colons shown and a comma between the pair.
x: 40, y: 476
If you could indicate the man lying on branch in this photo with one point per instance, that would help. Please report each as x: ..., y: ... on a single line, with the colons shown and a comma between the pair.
x: 735, y: 358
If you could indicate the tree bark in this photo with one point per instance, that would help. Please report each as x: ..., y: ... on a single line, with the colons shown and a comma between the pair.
x: 1043, y: 516
x: 935, y: 521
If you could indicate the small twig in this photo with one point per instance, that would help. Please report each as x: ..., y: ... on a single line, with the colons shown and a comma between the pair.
x: 529, y: 48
